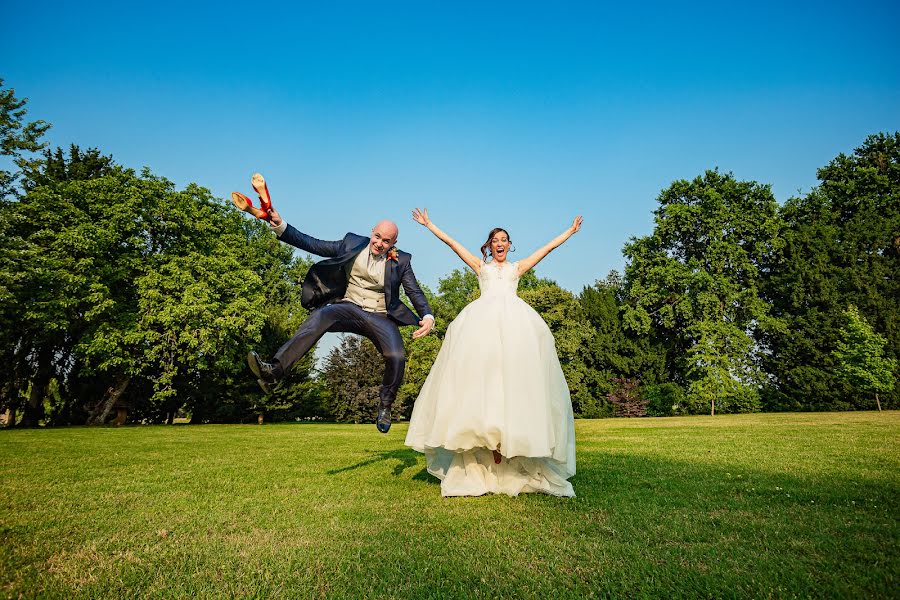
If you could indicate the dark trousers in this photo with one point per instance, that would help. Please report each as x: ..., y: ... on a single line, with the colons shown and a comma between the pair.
x: 346, y: 317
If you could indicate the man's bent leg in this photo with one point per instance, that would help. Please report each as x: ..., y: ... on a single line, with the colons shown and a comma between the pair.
x: 312, y: 330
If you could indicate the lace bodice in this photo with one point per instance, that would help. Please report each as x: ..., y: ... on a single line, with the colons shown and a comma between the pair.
x: 498, y: 278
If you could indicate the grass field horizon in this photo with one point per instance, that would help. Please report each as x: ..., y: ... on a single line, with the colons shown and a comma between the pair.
x: 761, y: 505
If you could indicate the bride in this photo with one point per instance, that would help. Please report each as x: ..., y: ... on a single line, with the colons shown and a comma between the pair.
x: 494, y: 414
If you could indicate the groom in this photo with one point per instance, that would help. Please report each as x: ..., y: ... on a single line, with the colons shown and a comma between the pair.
x: 355, y: 290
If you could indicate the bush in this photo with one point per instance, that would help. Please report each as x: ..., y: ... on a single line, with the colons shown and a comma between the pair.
x: 664, y: 399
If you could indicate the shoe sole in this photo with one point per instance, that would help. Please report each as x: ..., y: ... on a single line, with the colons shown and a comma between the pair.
x: 243, y: 204
x: 258, y: 183
x: 254, y: 365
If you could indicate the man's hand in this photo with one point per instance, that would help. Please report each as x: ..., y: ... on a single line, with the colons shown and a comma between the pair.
x: 427, y: 324
x: 275, y: 218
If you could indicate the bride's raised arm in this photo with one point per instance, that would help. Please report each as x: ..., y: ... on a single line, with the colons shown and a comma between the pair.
x: 527, y: 263
x: 421, y: 217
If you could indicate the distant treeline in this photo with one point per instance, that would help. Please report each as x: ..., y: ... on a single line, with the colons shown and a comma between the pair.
x: 123, y: 299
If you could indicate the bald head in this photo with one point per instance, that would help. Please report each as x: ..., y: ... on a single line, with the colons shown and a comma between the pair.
x: 384, y: 236
x: 387, y: 228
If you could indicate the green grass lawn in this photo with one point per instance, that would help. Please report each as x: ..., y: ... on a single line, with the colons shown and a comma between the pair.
x: 777, y: 505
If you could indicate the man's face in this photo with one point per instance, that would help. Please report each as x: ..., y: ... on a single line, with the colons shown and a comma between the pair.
x: 384, y: 235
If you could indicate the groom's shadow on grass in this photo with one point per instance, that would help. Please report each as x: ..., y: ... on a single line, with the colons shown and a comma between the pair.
x: 406, y: 459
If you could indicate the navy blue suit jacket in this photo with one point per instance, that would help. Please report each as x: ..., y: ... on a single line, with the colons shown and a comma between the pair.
x: 327, y: 280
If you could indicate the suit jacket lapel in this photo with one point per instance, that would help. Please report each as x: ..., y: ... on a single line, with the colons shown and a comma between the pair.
x: 351, y: 256
x: 354, y: 252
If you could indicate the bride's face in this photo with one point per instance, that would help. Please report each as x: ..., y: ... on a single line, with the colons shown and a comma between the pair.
x: 500, y: 246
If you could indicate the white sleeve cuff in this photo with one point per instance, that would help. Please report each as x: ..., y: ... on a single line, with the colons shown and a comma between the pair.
x: 430, y: 316
x: 280, y: 228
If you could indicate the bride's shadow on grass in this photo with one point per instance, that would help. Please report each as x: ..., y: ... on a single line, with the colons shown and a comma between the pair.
x: 406, y: 458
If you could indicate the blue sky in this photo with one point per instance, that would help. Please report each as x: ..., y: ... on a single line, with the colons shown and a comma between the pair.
x: 513, y: 114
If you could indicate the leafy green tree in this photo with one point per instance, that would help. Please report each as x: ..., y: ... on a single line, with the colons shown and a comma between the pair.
x: 177, y: 302
x: 122, y: 284
x: 694, y: 282
x: 860, y: 356
x: 663, y: 399
x: 79, y: 165
x: 18, y: 139
x: 614, y: 352
x: 352, y: 372
x: 194, y: 311
x: 842, y: 247
x: 42, y: 295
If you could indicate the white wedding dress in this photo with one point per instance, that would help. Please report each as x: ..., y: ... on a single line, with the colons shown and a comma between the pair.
x: 496, y: 384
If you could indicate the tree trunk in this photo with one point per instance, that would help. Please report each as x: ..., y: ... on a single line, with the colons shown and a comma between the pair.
x: 34, y: 408
x: 877, y: 401
x: 13, y: 391
x: 712, y: 412
x: 10, y: 404
x: 199, y: 410
x: 113, y: 392
x: 13, y: 410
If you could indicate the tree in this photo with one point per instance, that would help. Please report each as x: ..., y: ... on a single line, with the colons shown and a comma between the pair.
x: 41, y: 293
x: 694, y: 283
x: 842, y: 247
x: 860, y: 356
x: 353, y: 372
x: 614, y: 353
x: 56, y: 167
x: 18, y: 138
x: 121, y: 284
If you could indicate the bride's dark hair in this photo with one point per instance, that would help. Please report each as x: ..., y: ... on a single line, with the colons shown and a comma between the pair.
x: 485, y: 246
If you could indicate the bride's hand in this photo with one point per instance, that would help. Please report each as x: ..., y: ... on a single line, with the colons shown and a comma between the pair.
x: 421, y: 217
x: 576, y: 224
